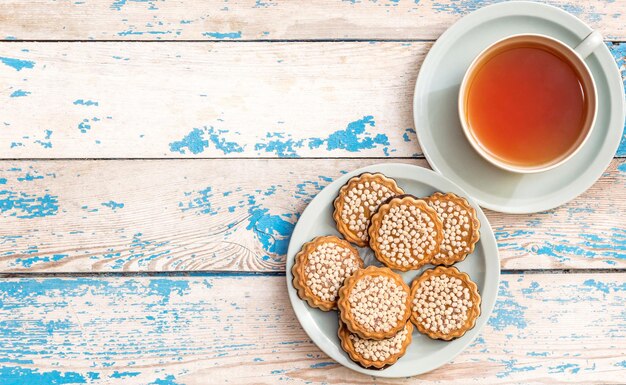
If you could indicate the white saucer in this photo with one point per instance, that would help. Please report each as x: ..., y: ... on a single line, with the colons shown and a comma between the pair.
x: 424, y: 354
x: 439, y: 129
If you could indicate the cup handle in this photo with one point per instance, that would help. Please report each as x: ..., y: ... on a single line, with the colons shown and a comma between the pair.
x: 589, y: 44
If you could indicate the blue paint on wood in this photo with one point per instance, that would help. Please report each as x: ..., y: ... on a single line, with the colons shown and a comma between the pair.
x: 194, y: 142
x: 355, y: 137
x: 409, y: 135
x: 17, y: 375
x: 272, y: 230
x: 29, y: 177
x: 16, y: 361
x: 119, y: 4
x: 19, y: 93
x: 140, y: 250
x: 29, y: 262
x: 3, y: 180
x: 618, y: 50
x: 571, y: 368
x: 223, y: 35
x: 507, y: 311
x: 200, y: 202
x: 227, y: 147
x: 511, y: 366
x: 113, y: 205
x: 323, y: 364
x: 131, y: 32
x: 164, y: 288
x: 89, y: 210
x: 532, y: 289
x: 604, y: 287
x: 17, y: 64
x: 167, y: 380
x: 83, y: 102
x: 462, y: 7
x: 45, y: 143
x: 117, y: 374
x: 283, y: 148
x: 263, y: 4
x: 24, y: 205
x: 85, y: 125
x: 351, y: 138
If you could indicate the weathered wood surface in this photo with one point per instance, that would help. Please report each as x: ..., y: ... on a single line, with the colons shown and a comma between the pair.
x: 234, y: 99
x: 263, y: 19
x: 210, y: 100
x: 545, y: 329
x: 229, y: 214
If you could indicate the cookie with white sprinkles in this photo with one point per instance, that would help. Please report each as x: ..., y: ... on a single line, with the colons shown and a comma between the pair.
x: 374, y: 303
x: 405, y: 233
x: 321, y: 268
x: 460, y: 227
x: 375, y: 353
x: 358, y: 200
x: 445, y: 303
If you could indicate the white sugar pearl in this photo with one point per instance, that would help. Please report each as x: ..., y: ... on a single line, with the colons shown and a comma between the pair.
x: 449, y: 311
x: 407, y: 229
x: 326, y: 268
x: 379, y: 350
x: 363, y: 196
x: 377, y: 303
x: 456, y: 221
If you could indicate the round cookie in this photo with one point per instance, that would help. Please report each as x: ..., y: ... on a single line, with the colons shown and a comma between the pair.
x: 358, y: 200
x: 320, y: 269
x: 374, y: 303
x: 460, y: 227
x: 405, y: 233
x: 445, y: 303
x: 375, y: 353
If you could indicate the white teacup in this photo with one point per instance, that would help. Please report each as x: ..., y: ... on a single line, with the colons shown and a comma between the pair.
x: 575, y: 57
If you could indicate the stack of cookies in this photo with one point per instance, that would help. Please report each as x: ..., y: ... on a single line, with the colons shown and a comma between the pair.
x: 377, y: 309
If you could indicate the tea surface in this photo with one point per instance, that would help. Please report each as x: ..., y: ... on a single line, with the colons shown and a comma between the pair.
x: 525, y: 105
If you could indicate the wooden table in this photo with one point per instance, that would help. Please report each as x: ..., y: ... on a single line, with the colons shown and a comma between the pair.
x: 156, y: 155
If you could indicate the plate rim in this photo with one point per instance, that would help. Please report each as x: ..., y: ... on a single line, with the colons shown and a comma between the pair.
x: 609, y: 68
x: 491, y: 277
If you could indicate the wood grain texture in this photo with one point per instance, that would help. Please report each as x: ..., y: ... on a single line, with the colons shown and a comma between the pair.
x: 235, y: 215
x: 260, y: 19
x: 545, y: 329
x: 211, y: 100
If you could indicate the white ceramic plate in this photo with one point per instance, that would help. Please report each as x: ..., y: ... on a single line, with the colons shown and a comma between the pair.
x: 423, y: 354
x: 439, y: 129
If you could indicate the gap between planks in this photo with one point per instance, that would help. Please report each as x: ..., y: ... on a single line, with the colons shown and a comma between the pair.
x: 239, y: 273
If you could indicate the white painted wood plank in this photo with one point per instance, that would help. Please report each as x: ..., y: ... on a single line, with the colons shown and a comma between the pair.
x: 238, y: 215
x: 271, y: 19
x: 210, y: 100
x: 545, y: 329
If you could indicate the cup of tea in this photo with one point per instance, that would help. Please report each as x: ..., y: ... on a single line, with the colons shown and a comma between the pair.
x: 528, y: 102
